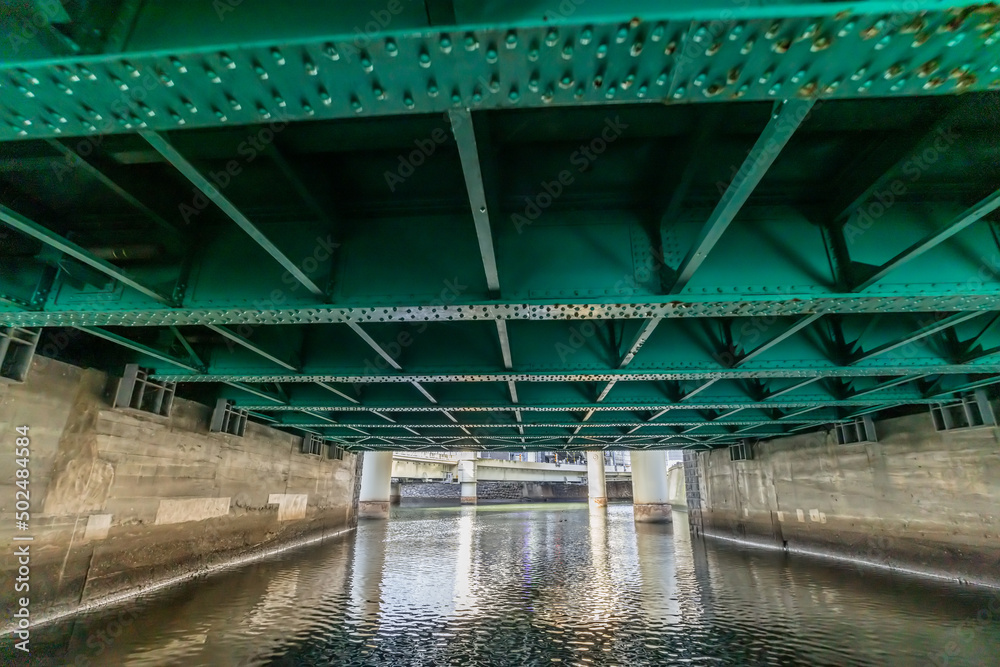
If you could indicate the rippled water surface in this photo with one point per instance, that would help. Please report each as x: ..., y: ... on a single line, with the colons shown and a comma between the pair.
x: 536, y: 585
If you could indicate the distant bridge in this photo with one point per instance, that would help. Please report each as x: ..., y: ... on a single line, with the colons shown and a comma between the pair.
x: 412, y: 467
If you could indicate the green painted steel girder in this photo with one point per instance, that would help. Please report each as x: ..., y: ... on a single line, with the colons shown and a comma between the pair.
x: 549, y: 309
x: 822, y: 243
x: 517, y: 58
x: 711, y: 375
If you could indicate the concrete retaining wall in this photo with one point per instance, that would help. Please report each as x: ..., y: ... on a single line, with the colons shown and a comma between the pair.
x: 122, y: 498
x: 917, y: 499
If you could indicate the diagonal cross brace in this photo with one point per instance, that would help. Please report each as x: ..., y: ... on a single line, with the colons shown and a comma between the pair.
x: 783, y: 123
x: 15, y: 220
x: 468, y: 150
x: 963, y: 220
x: 173, y: 156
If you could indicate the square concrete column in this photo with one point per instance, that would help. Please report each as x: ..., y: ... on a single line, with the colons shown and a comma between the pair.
x: 595, y: 479
x: 650, y: 496
x: 395, y: 492
x: 376, y: 479
x: 467, y: 478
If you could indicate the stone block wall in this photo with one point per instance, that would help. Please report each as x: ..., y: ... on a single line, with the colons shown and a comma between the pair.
x: 121, y: 498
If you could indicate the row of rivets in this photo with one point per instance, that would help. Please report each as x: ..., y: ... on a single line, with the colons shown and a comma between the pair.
x: 963, y: 75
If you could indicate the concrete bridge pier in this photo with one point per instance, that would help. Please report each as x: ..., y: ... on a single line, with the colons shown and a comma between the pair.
x: 395, y: 493
x: 376, y: 482
x: 595, y: 479
x: 467, y: 478
x: 650, y: 495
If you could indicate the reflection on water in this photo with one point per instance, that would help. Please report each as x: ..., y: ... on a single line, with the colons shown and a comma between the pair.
x: 535, y: 585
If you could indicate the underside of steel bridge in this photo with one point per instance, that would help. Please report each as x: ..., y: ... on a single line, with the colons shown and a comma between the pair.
x: 516, y: 226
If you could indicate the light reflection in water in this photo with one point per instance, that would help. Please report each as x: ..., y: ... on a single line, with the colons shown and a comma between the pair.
x: 535, y: 584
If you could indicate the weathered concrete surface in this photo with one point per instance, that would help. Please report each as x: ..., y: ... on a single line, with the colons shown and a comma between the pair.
x: 676, y: 492
x: 917, y: 499
x: 121, y: 498
x: 373, y: 509
x: 652, y: 512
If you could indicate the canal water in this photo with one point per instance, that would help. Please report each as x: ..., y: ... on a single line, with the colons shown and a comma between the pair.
x: 547, y: 584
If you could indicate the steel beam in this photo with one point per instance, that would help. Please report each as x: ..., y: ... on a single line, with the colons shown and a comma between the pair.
x: 797, y: 385
x: 356, y: 328
x: 887, y: 385
x: 966, y: 386
x: 173, y: 156
x: 640, y: 337
x: 963, y: 220
x: 187, y: 348
x: 716, y: 405
x: 137, y: 347
x: 253, y: 347
x: 929, y: 300
x: 257, y: 392
x: 913, y: 150
x: 15, y: 220
x: 419, y: 387
x: 95, y: 173
x: 923, y: 332
x: 468, y: 150
x: 697, y: 390
x: 288, y: 171
x: 710, y: 375
x: 336, y: 391
x: 674, y: 55
x: 798, y: 326
x: 779, y: 129
x: 508, y: 361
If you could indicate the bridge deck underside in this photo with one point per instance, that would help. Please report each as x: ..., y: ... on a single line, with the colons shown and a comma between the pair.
x: 671, y: 232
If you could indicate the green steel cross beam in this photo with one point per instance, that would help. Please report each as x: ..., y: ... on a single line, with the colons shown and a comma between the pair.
x: 408, y: 311
x: 468, y: 149
x: 715, y: 290
x: 495, y: 57
x: 798, y: 326
x: 923, y: 332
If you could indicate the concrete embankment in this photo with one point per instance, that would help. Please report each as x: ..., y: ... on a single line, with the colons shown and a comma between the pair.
x: 122, y: 499
x: 917, y: 499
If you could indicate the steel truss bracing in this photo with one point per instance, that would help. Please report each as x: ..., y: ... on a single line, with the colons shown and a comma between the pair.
x: 521, y: 230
